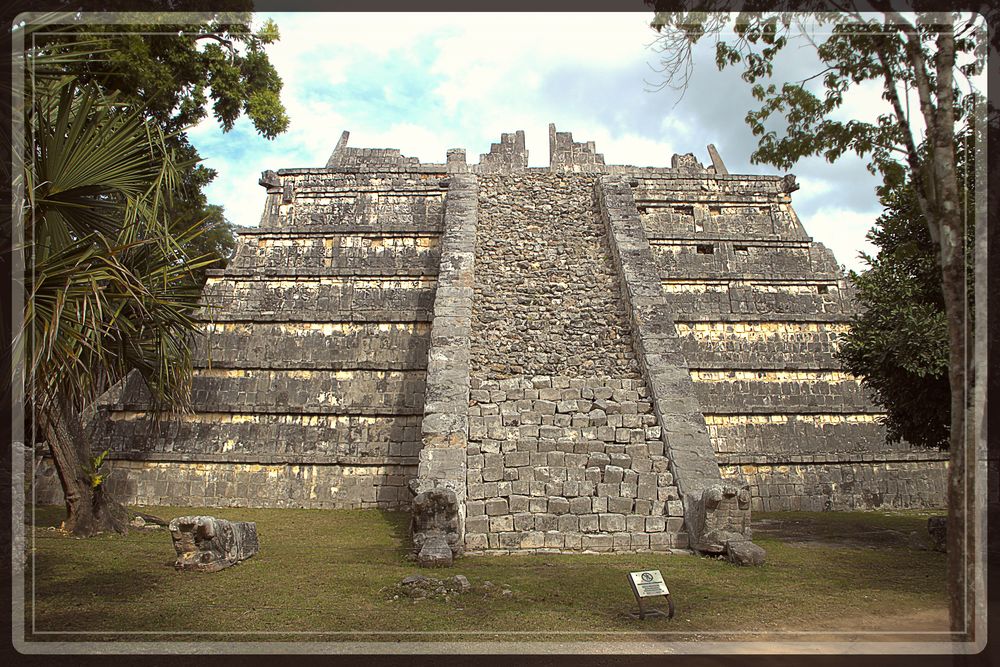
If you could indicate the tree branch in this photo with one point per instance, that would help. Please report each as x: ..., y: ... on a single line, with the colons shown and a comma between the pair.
x: 912, y: 156
x: 916, y: 54
x: 228, y: 43
x: 921, y: 77
x: 944, y: 138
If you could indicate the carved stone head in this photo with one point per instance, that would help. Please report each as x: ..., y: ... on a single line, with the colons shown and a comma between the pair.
x: 435, y: 527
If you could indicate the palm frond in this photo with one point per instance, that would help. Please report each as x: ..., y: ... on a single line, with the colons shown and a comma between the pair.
x: 110, y: 289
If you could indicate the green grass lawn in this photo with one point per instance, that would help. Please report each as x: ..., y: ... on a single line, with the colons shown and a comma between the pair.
x: 327, y: 575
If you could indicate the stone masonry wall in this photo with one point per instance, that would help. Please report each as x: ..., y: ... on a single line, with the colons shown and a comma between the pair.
x: 731, y: 345
x: 229, y: 483
x: 568, y: 155
x: 445, y: 425
x: 568, y: 463
x: 397, y: 254
x: 714, y: 513
x: 760, y: 309
x: 886, y: 480
x: 509, y: 156
x: 564, y: 449
x: 745, y: 260
x: 546, y: 297
x: 585, y: 356
x: 367, y: 158
x: 309, y: 386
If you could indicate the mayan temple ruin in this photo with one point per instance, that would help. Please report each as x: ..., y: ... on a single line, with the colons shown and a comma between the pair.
x: 575, y: 357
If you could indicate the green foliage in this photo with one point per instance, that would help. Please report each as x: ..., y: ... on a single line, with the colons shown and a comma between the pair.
x: 857, y: 49
x: 111, y: 287
x: 174, y: 74
x: 93, y: 470
x: 113, y: 210
x: 910, y: 339
x: 898, y: 344
x: 174, y: 71
x: 217, y: 240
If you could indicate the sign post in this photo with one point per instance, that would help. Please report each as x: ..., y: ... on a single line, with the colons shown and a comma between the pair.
x: 647, y: 584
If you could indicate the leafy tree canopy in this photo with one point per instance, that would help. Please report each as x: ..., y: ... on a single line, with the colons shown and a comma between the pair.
x: 852, y: 49
x: 929, y: 56
x: 175, y: 73
x: 115, y: 221
x: 110, y: 290
x: 174, y: 70
x: 898, y: 343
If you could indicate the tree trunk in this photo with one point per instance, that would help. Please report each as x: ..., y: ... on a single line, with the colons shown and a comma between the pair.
x: 89, y: 509
x: 961, y: 512
x: 945, y: 220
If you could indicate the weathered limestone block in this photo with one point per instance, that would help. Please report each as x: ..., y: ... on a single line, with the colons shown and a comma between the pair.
x: 719, y: 523
x: 207, y: 544
x: 744, y: 552
x: 572, y: 156
x: 717, y: 163
x: 338, y: 152
x: 509, y: 156
x: 720, y: 516
x: 457, y: 161
x: 269, y: 179
x: 686, y: 162
x: 435, y: 527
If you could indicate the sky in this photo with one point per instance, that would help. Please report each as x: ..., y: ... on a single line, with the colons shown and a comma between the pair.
x: 426, y: 82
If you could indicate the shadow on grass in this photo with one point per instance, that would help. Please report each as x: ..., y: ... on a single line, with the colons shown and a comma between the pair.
x: 398, y: 524
x: 871, y: 530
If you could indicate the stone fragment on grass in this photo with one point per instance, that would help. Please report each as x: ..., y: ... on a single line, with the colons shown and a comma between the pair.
x: 744, y: 552
x: 141, y: 520
x: 435, y: 552
x: 418, y: 586
x: 460, y: 583
x: 208, y: 544
x: 937, y: 528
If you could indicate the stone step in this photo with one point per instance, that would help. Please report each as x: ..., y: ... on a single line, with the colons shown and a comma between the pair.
x: 766, y: 300
x: 333, y: 297
x: 333, y: 345
x: 698, y: 260
x: 781, y: 392
x: 337, y: 252
x: 795, y: 433
x: 358, y: 270
x: 264, y: 434
x: 398, y: 209
x: 302, y: 391
x: 554, y: 541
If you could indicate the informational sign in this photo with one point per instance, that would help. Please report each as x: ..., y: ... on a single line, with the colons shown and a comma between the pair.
x: 649, y: 583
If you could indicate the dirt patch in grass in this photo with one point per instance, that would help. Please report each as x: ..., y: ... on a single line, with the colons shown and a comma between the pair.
x: 322, y: 575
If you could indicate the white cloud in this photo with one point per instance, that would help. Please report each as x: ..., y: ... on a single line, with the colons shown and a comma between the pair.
x: 843, y: 231
x: 633, y: 149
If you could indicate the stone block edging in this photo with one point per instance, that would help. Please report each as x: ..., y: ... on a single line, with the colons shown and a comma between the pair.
x: 713, y: 510
x: 445, y: 426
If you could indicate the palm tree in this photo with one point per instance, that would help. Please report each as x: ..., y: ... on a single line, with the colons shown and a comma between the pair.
x: 110, y: 290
